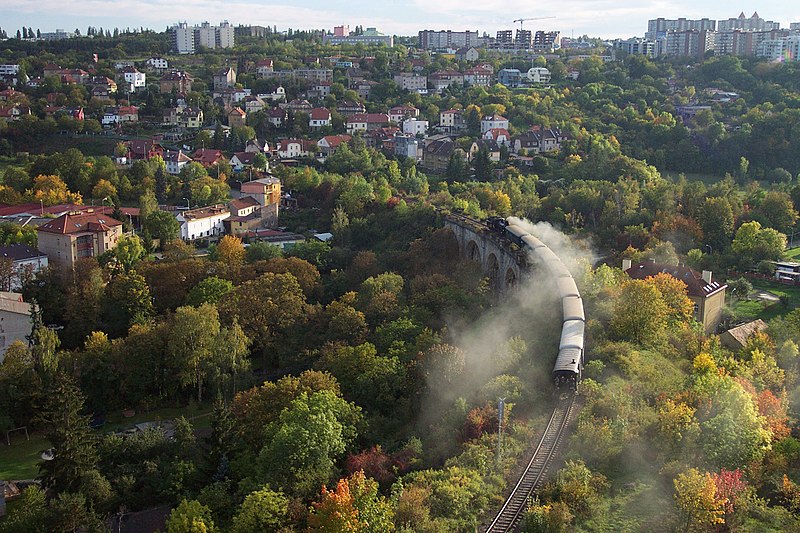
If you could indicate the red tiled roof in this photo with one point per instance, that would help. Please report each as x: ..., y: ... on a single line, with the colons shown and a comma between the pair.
x: 320, y: 113
x: 243, y: 202
x: 369, y: 118
x: 694, y: 281
x: 335, y: 140
x: 80, y: 223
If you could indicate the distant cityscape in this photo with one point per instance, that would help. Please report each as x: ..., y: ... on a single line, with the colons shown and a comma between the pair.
x: 739, y: 36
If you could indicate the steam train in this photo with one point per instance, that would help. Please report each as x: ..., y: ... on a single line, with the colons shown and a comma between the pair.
x: 569, y: 363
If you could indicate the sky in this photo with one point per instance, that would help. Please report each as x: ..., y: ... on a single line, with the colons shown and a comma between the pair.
x: 596, y: 18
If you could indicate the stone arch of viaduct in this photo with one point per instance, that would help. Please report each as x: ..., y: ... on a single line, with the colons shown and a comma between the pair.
x: 501, y: 265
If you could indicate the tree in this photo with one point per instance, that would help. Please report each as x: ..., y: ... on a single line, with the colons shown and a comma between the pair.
x: 640, y: 314
x: 696, y: 497
x: 262, y: 510
x: 307, y: 438
x: 776, y: 210
x: 30, y: 513
x: 482, y: 164
x: 260, y: 161
x: 733, y: 433
x: 262, y: 251
x: 52, y: 190
x: 315, y: 252
x: 190, y: 516
x: 265, y: 307
x: 354, y: 505
x: 753, y: 243
x: 716, y: 220
x: 74, y: 448
x: 104, y: 189
x: 129, y: 251
x: 208, y: 291
x: 162, y: 226
x: 192, y: 343
x: 127, y: 302
x: 230, y: 251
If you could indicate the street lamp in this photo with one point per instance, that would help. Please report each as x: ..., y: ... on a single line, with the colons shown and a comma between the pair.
x: 188, y: 204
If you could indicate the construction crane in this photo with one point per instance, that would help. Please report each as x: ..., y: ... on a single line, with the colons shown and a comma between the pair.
x: 534, y: 18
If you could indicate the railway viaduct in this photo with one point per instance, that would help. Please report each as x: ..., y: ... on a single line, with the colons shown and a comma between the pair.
x: 501, y: 264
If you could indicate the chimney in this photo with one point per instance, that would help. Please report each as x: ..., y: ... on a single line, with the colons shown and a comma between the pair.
x: 707, y: 276
x: 626, y: 264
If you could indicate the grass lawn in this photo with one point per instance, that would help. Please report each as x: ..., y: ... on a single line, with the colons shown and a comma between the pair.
x: 793, y: 254
x: 20, y: 460
x: 753, y: 309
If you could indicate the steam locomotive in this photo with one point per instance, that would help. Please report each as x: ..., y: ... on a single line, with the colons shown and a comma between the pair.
x: 569, y: 363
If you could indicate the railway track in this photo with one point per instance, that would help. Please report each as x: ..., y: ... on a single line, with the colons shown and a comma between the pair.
x: 531, y: 479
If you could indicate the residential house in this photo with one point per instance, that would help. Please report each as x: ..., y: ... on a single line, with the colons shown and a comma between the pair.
x: 237, y: 118
x: 175, y: 161
x: 241, y: 160
x: 110, y: 116
x: 364, y: 88
x: 294, y: 148
x: 256, y: 146
x: 104, y: 82
x: 707, y: 294
x: 498, y: 135
x: 736, y: 338
x: 266, y: 191
x: 468, y: 53
x: 203, y: 222
x: 276, y: 116
x: 157, y: 63
x: 76, y: 235
x: 13, y: 112
x: 264, y: 67
x: 10, y: 95
x: 133, y: 79
x: 452, y: 121
x: 510, y: 77
x: 413, y: 126
x: 102, y: 93
x: 190, y: 118
x: 25, y: 261
x: 330, y: 143
x: 363, y: 122
x: 442, y: 79
x: 411, y: 81
x: 208, y: 157
x: 437, y: 151
x: 787, y: 271
x: 493, y: 121
x: 177, y: 81
x: 15, y: 323
x: 319, y: 117
x: 398, y: 113
x: 481, y: 75
x: 143, y: 149
x: 349, y: 108
x: 128, y: 113
x: 299, y: 106
x: 539, y: 75
x: 75, y: 76
x: 245, y: 215
x: 225, y: 77
x: 52, y: 70
x: 407, y: 146
x: 278, y: 95
x: 253, y: 104
x: 490, y: 146
x: 538, y: 140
